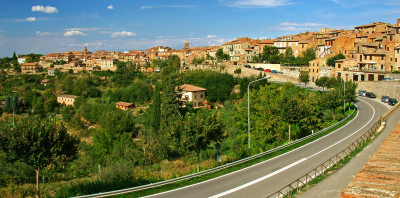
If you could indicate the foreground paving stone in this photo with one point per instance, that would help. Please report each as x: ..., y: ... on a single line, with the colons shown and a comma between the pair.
x: 380, y: 177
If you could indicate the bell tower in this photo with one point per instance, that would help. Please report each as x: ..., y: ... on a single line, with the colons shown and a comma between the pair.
x: 186, y: 46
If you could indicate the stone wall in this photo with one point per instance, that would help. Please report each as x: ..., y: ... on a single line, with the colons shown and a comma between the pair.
x: 381, y: 88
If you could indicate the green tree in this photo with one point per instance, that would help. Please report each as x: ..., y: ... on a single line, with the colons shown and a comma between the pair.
x: 7, y: 105
x: 271, y: 55
x: 322, y: 82
x: 304, y: 78
x: 67, y: 113
x: 291, y: 108
x: 14, y: 57
x: 200, y: 130
x: 331, y: 100
x: 171, y: 119
x: 331, y: 61
x: 221, y: 55
x: 38, y: 107
x: 289, y: 58
x: 28, y: 59
x: 38, y: 143
x: 174, y: 62
x: 156, y: 109
x: 15, y: 105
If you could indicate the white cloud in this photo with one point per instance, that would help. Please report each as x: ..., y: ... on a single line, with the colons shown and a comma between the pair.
x: 74, y: 33
x: 122, y: 34
x: 259, y: 3
x: 47, y: 9
x: 392, y: 13
x: 146, y: 7
x: 296, y: 27
x: 110, y: 7
x: 31, y: 19
x: 39, y: 33
x: 105, y: 32
x: 212, y: 36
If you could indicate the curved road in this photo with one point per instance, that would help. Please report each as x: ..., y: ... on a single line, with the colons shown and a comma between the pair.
x: 262, y: 179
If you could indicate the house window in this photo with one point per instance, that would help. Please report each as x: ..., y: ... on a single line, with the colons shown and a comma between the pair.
x: 370, y: 58
x: 201, y: 95
x: 339, y: 66
x: 382, y: 67
x: 195, y: 96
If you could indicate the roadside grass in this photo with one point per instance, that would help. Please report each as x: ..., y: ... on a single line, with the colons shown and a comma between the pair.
x: 333, y: 169
x: 234, y: 168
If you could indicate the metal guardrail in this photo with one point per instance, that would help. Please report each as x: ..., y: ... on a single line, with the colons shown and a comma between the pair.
x: 186, y: 177
x: 321, y: 169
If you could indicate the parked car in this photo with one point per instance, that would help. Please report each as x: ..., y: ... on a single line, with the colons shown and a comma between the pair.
x: 260, y: 68
x: 362, y: 92
x: 386, y: 79
x: 274, y: 71
x: 370, y: 95
x: 392, y: 101
x: 385, y: 99
x: 248, y: 66
x: 267, y: 70
x: 253, y: 67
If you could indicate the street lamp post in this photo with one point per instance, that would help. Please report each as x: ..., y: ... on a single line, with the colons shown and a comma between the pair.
x: 344, y: 97
x: 248, y: 109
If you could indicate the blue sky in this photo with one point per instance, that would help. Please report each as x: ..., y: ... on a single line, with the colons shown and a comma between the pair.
x: 45, y: 26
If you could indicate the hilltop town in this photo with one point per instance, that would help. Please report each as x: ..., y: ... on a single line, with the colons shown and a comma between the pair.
x: 371, y: 53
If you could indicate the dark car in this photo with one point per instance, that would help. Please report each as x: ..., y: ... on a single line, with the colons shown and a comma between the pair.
x: 392, y: 101
x: 370, y: 95
x: 385, y: 99
x: 362, y: 92
x: 248, y: 66
x: 260, y: 68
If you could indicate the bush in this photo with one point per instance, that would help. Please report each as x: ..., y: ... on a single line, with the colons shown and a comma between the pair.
x: 238, y: 71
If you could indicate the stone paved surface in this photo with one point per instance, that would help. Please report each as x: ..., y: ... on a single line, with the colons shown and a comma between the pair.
x: 380, y: 177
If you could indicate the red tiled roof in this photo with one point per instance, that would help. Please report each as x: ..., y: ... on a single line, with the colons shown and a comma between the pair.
x: 191, y: 88
x: 126, y: 104
x: 67, y: 96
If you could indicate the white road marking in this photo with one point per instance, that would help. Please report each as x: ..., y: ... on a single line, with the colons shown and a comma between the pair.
x: 293, y: 164
x: 257, y: 180
x: 266, y: 160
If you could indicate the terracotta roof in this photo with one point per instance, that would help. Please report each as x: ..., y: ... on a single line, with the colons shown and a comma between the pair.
x: 45, y: 81
x: 67, y: 96
x: 28, y: 64
x: 126, y: 104
x: 380, y: 175
x: 191, y: 88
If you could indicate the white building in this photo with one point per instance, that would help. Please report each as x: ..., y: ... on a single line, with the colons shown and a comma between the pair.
x: 194, y: 94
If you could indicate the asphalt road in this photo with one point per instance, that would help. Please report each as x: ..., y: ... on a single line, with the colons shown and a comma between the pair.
x: 335, y: 183
x: 262, y: 179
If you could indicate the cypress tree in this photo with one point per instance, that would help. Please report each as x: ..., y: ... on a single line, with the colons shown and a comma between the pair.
x: 171, y: 119
x: 156, y: 109
x: 14, y: 56
x: 7, y: 105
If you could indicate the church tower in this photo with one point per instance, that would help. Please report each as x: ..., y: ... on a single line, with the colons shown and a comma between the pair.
x: 85, y: 49
x: 186, y: 46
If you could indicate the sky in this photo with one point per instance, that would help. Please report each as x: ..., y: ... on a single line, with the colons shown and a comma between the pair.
x: 47, y: 26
